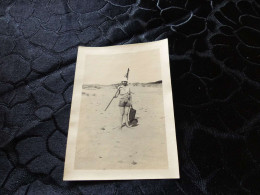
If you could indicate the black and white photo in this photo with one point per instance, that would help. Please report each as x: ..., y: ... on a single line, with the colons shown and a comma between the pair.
x: 122, y: 122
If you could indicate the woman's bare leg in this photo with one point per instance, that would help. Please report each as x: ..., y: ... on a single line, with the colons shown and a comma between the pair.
x: 122, y: 111
x: 127, y: 109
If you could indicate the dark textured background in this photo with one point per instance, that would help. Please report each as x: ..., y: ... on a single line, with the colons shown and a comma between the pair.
x: 215, y: 61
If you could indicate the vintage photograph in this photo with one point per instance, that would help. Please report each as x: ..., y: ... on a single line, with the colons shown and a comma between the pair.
x: 122, y: 122
x: 120, y: 107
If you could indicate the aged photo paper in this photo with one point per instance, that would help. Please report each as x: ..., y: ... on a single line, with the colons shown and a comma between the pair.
x: 122, y: 121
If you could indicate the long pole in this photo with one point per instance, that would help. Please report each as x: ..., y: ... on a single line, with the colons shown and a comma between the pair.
x: 127, y: 74
x: 111, y: 100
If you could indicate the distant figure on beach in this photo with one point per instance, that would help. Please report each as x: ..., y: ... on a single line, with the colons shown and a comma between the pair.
x: 125, y: 101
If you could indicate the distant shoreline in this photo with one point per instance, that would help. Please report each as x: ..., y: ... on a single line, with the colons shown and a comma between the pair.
x: 98, y: 86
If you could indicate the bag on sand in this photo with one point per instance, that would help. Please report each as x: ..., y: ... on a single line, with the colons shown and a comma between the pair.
x: 132, y: 121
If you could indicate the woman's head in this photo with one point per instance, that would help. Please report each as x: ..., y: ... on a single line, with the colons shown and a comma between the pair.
x: 124, y: 81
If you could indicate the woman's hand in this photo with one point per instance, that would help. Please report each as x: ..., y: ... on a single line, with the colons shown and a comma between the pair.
x: 117, y: 94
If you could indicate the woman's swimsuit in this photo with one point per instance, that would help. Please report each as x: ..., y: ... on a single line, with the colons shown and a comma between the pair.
x: 124, y: 94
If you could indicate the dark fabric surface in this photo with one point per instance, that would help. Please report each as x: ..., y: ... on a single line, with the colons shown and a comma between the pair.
x: 215, y: 61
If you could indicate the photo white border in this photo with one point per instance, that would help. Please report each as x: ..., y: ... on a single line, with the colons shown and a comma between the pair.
x: 70, y: 173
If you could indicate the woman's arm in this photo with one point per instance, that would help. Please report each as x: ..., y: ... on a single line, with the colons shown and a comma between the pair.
x: 130, y: 97
x: 117, y: 92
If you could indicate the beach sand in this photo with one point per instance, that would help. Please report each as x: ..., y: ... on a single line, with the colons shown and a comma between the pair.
x: 101, y: 144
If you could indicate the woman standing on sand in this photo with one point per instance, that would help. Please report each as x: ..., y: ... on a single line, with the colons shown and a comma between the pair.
x: 125, y: 101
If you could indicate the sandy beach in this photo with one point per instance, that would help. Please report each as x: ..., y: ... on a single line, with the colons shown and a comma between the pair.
x: 101, y: 144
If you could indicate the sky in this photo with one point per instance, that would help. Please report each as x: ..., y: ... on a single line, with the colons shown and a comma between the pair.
x: 110, y: 69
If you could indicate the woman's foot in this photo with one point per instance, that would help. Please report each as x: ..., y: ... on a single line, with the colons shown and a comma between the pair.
x: 123, y: 125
